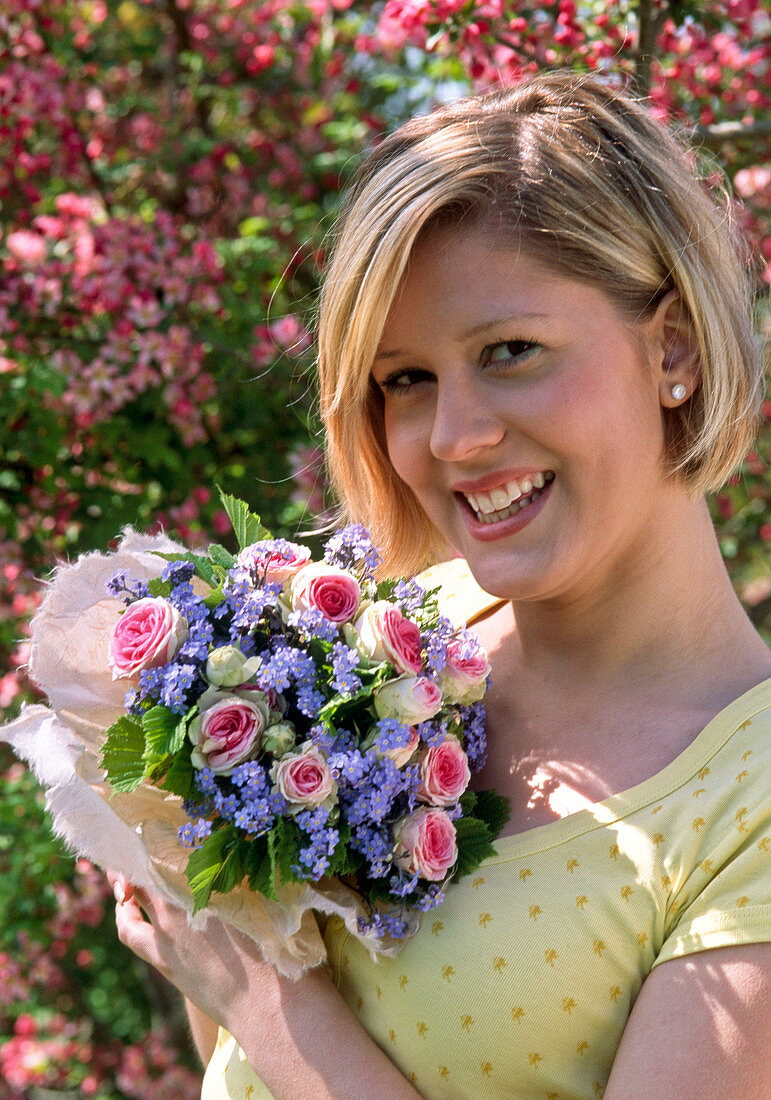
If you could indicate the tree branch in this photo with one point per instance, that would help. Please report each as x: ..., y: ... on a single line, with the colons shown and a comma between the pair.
x: 719, y: 133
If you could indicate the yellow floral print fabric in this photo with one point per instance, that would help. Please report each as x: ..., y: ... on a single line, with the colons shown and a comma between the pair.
x: 521, y: 983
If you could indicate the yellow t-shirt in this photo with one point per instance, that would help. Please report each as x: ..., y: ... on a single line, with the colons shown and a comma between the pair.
x: 521, y: 983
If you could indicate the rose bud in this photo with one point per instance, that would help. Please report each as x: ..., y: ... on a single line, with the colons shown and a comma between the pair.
x: 148, y: 634
x: 425, y: 844
x: 383, y: 634
x: 464, y: 677
x: 304, y: 778
x: 228, y: 732
x: 325, y: 588
x: 277, y: 559
x: 228, y: 667
x: 409, y: 699
x: 444, y: 773
x: 279, y: 738
x: 404, y: 754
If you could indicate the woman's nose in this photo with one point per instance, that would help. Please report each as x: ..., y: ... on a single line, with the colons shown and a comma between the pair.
x: 465, y: 422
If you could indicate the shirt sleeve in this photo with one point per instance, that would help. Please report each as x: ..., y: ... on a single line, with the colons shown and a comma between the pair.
x: 725, y: 898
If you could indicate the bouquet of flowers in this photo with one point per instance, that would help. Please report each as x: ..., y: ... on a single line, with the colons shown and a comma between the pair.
x: 308, y: 734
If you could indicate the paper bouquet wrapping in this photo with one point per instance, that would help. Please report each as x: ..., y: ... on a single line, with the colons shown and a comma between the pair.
x: 137, y: 832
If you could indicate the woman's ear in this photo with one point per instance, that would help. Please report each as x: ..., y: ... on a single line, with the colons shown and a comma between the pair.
x: 676, y: 351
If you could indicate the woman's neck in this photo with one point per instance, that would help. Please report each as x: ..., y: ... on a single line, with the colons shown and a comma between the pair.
x: 668, y: 610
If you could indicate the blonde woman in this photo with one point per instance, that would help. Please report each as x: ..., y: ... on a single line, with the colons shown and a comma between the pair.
x: 535, y: 359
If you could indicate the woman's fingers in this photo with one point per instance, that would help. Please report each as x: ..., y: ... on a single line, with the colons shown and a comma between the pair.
x: 121, y: 887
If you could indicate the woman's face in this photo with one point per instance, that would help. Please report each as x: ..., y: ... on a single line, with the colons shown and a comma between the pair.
x: 523, y: 411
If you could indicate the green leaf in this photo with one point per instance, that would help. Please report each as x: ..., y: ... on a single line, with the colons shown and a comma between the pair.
x: 179, y: 775
x: 258, y: 868
x: 220, y: 555
x: 203, y: 567
x: 247, y: 527
x: 214, y: 598
x: 164, y: 731
x: 216, y: 866
x: 493, y: 809
x: 474, y: 845
x: 282, y: 850
x: 123, y: 754
x: 157, y: 587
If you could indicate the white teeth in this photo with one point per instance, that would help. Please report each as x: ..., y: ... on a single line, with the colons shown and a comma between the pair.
x: 505, y: 501
x: 513, y: 489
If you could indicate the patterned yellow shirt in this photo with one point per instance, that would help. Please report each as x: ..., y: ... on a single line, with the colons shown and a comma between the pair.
x: 521, y: 983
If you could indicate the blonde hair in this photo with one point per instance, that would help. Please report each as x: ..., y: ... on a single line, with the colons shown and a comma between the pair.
x: 592, y: 187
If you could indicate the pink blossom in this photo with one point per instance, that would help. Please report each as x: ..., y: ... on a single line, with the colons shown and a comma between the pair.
x: 444, y: 773
x: 425, y: 844
x: 304, y: 778
x: 464, y: 676
x: 228, y: 732
x: 410, y: 699
x: 276, y: 564
x: 383, y: 634
x: 28, y: 247
x: 325, y: 588
x: 148, y: 634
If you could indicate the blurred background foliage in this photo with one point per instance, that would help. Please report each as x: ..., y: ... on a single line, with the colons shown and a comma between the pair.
x: 169, y: 171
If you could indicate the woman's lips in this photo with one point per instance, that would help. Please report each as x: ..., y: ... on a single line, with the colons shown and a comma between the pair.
x: 513, y: 518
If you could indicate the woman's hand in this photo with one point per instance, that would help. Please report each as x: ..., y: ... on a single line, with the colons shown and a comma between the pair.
x: 212, y: 968
x: 300, y: 1037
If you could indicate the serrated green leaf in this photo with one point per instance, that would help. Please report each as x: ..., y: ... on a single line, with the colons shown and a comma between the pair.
x: 179, y: 775
x: 258, y: 868
x: 205, y: 865
x: 164, y: 732
x: 214, y: 598
x: 203, y: 567
x: 247, y: 526
x: 282, y: 850
x: 123, y: 754
x: 493, y: 809
x: 157, y: 587
x: 220, y: 555
x: 474, y: 845
x: 468, y: 801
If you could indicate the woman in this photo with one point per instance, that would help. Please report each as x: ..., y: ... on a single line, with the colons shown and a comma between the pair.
x: 535, y: 355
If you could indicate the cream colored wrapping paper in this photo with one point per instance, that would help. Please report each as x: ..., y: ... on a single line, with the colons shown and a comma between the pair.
x: 136, y: 834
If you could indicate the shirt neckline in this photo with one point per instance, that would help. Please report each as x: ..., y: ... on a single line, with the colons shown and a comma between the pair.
x: 676, y: 774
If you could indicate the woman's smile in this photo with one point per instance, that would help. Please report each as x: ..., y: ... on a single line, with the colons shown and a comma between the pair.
x: 522, y: 410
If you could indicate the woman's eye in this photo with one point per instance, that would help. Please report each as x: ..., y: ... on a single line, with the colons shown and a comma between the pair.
x: 512, y: 349
x: 403, y: 380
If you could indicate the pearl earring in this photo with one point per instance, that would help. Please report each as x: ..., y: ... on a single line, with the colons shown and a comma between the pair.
x: 679, y: 391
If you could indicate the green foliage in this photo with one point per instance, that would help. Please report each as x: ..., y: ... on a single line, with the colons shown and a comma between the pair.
x: 123, y: 754
x: 247, y: 527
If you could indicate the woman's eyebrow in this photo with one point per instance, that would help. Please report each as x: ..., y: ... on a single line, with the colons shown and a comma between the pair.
x: 475, y: 330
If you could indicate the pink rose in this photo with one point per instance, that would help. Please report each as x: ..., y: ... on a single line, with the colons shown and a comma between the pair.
x: 464, y: 677
x: 304, y: 777
x: 444, y: 773
x: 425, y: 844
x: 278, y: 562
x: 227, y: 732
x: 148, y: 634
x: 385, y: 635
x: 325, y: 588
x: 409, y: 699
x: 401, y: 756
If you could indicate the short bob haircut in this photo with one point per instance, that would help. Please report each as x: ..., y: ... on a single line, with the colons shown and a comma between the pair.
x: 579, y: 175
